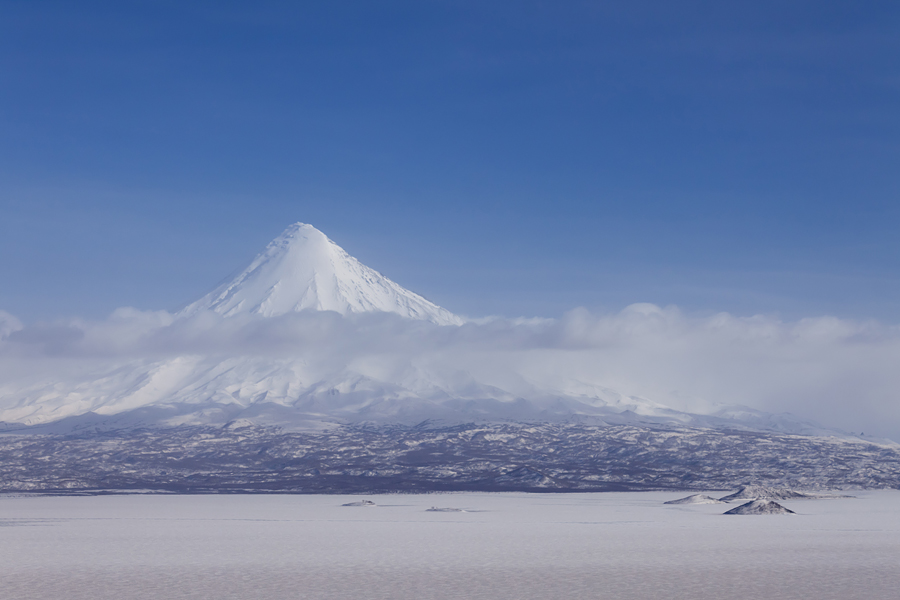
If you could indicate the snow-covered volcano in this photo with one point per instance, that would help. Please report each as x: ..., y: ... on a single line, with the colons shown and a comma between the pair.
x: 304, y: 270
x: 308, y: 335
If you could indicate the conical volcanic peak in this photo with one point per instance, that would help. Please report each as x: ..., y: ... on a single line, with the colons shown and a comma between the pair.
x: 760, y: 507
x: 304, y: 270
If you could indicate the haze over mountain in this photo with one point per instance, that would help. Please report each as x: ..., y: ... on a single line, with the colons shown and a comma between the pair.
x: 306, y: 336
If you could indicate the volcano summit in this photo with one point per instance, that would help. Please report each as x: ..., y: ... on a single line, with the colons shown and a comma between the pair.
x: 304, y: 270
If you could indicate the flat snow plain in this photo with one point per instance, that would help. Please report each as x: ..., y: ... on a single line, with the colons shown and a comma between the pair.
x: 523, y: 546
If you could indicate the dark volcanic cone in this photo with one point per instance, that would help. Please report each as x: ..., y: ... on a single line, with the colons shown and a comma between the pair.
x: 760, y: 507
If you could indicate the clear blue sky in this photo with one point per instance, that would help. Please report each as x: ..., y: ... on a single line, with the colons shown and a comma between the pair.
x: 517, y: 158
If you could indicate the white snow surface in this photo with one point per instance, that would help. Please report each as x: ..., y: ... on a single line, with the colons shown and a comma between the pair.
x: 503, y: 547
x: 304, y: 270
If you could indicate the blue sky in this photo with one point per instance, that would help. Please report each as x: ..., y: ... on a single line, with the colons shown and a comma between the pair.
x: 500, y: 158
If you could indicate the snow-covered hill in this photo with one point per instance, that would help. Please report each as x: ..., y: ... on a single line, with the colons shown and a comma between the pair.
x: 696, y: 499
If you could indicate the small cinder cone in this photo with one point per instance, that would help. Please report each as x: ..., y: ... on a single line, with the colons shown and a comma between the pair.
x: 760, y: 507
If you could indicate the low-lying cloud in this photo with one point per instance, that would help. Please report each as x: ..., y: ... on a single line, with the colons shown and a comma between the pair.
x: 842, y: 373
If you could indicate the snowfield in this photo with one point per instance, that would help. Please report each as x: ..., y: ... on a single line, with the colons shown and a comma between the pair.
x: 504, y: 546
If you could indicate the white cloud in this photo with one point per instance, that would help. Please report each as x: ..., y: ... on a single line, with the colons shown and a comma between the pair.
x: 8, y: 324
x: 842, y: 373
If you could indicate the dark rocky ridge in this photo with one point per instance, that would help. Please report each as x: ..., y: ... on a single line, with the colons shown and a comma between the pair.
x: 492, y: 457
x: 758, y: 492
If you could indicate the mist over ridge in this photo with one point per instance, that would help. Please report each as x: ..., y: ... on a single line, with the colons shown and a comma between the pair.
x: 340, y: 341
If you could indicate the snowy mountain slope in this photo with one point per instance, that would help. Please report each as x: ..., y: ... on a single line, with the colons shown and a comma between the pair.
x: 209, y: 390
x: 696, y: 499
x: 299, y: 394
x: 304, y: 270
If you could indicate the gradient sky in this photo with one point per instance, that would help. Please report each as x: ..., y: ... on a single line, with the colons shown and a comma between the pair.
x: 518, y: 158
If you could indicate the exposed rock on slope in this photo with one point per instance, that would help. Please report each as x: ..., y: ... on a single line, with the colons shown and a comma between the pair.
x: 525, y: 478
x: 489, y: 457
